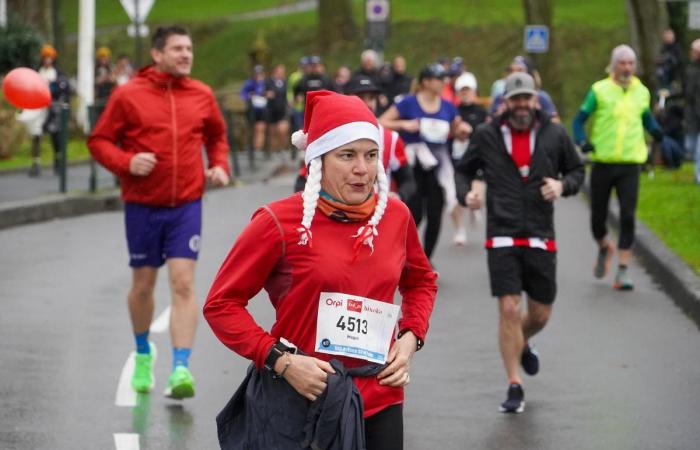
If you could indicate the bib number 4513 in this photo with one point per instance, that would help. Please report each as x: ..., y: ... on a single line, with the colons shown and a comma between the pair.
x: 352, y: 324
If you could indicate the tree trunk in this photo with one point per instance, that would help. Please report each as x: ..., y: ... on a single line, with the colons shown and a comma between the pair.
x: 678, y: 21
x: 540, y: 12
x: 336, y: 24
x: 647, y: 20
x: 58, y: 29
x: 35, y: 12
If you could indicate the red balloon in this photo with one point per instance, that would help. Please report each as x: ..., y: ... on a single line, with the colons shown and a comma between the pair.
x: 24, y: 88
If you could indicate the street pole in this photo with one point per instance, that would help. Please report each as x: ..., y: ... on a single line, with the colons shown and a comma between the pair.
x: 3, y: 13
x: 86, y: 62
x: 137, y: 38
x: 63, y: 147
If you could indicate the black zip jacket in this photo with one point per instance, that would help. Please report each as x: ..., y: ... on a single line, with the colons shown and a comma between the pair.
x: 266, y: 413
x: 516, y: 208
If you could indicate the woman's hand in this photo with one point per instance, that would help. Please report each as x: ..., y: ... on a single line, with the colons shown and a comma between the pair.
x: 410, y: 126
x: 306, y: 374
x: 399, y: 359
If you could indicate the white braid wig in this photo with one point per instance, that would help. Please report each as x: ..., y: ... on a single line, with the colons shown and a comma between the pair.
x: 366, y: 233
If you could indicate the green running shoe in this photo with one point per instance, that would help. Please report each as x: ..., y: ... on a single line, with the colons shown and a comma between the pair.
x: 180, y: 384
x: 623, y: 282
x: 143, y: 380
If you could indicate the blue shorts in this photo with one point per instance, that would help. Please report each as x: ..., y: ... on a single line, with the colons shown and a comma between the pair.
x: 154, y: 233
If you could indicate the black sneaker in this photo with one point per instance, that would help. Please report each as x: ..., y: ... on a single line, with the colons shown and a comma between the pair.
x: 530, y: 360
x: 34, y: 170
x: 515, y: 403
x: 602, y: 263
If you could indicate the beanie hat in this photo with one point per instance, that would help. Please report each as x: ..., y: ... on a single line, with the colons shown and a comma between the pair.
x: 103, y: 52
x: 466, y: 80
x: 332, y: 120
x: 48, y: 51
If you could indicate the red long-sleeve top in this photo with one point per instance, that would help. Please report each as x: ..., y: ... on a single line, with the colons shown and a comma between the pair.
x: 267, y: 255
x: 171, y: 117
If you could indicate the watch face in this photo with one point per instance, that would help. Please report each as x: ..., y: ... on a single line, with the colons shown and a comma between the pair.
x: 272, y: 357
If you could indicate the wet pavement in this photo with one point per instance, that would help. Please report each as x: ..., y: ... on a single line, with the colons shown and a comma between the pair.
x: 619, y: 370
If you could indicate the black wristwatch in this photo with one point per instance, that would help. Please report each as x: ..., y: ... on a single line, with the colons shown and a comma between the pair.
x: 419, y: 341
x: 280, y: 348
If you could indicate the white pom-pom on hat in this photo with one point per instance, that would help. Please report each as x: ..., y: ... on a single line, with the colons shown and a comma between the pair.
x: 299, y: 139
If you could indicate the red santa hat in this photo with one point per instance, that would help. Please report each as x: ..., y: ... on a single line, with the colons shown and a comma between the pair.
x: 332, y: 120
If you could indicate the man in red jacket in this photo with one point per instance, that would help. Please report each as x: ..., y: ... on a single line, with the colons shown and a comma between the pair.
x: 151, y: 135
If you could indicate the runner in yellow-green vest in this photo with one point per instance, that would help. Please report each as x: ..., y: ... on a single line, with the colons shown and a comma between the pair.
x: 619, y: 106
x: 292, y: 81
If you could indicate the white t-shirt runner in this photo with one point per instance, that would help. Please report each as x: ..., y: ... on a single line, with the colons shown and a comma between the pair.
x: 356, y: 327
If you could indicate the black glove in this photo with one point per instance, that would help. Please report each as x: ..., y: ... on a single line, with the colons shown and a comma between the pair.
x: 586, y: 147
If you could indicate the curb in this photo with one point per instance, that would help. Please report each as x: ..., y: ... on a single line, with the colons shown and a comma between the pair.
x: 675, y: 277
x: 44, y: 167
x: 56, y: 207
x: 60, y: 206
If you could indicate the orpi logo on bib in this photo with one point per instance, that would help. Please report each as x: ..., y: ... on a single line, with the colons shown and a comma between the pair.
x: 355, y: 305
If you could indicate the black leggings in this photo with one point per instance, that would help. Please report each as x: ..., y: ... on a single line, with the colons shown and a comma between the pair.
x: 625, y: 179
x: 384, y: 430
x: 429, y: 199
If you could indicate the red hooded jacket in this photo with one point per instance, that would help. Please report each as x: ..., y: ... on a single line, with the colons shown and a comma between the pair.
x: 171, y: 117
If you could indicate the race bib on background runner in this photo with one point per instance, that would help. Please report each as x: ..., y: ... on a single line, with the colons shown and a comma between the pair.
x: 356, y: 327
x: 258, y: 101
x: 435, y: 131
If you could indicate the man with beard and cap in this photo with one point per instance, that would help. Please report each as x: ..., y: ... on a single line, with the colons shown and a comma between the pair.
x: 619, y: 105
x: 527, y: 161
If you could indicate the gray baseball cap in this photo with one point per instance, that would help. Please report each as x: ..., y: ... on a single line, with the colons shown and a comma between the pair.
x: 519, y: 83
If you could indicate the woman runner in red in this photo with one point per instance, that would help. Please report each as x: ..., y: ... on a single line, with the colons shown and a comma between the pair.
x: 331, y: 259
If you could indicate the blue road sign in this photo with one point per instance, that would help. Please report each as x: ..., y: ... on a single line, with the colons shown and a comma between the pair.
x: 536, y: 39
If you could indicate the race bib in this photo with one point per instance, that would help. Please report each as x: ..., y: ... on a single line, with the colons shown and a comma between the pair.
x: 356, y: 327
x: 434, y: 131
x: 258, y: 101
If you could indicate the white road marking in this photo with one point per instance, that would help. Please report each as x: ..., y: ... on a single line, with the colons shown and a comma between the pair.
x: 126, y: 396
x: 126, y: 441
x: 162, y: 322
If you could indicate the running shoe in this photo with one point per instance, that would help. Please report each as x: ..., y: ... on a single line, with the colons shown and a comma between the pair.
x: 180, y: 384
x: 460, y: 238
x: 623, y: 282
x: 530, y: 360
x: 142, y: 379
x: 602, y: 264
x: 515, y: 403
x: 34, y: 170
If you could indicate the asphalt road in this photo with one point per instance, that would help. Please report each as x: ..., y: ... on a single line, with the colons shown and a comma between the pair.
x: 619, y: 370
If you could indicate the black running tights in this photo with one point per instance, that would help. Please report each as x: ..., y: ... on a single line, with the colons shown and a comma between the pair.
x: 429, y: 200
x: 384, y: 430
x: 625, y: 179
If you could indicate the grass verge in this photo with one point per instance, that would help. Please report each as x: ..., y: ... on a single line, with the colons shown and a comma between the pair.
x: 77, y: 151
x: 669, y: 204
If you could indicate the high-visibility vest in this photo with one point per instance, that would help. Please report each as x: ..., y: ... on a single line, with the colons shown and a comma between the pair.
x: 618, y: 132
